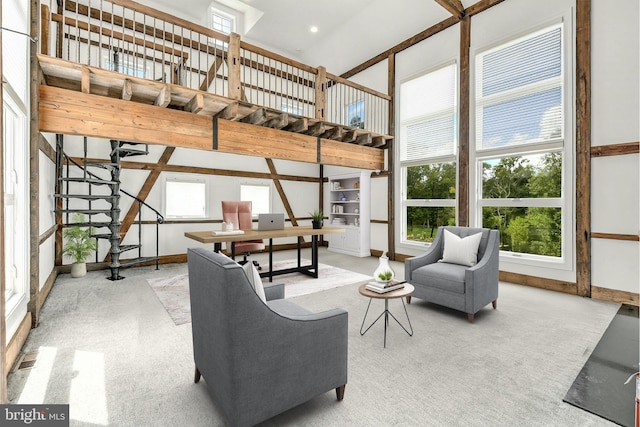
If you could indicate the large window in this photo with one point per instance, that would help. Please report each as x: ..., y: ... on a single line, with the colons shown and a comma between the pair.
x: 428, y: 141
x: 520, y: 144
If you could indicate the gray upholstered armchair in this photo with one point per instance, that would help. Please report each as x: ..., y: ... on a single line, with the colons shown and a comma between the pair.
x: 260, y: 359
x: 464, y: 288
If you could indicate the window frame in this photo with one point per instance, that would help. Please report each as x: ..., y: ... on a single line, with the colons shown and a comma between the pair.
x: 214, y: 12
x: 186, y: 178
x: 565, y: 145
x: 405, y: 203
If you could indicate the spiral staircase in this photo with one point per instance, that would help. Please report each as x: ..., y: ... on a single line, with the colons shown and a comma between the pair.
x: 93, y: 189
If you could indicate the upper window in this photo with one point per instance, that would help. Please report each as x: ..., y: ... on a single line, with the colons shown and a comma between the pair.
x: 520, y: 148
x: 519, y: 96
x: 428, y: 140
x: 221, y: 21
x: 185, y: 197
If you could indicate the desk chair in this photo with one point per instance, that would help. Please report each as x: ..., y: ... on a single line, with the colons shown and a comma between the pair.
x: 239, y: 213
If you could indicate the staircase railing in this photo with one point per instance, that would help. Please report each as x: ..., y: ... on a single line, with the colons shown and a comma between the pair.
x: 159, y: 220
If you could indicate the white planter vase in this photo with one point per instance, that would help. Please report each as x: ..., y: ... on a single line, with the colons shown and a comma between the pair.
x: 78, y: 269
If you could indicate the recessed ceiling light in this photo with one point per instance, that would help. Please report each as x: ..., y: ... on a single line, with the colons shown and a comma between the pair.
x: 313, y: 29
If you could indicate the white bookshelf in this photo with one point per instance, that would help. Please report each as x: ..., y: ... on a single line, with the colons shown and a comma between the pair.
x: 350, y: 208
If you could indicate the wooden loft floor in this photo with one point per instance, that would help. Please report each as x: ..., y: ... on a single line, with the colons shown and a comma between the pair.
x: 78, y: 99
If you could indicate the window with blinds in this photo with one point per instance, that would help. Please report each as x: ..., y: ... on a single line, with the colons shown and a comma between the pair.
x: 428, y: 115
x: 519, y: 92
x: 428, y: 141
x: 520, y: 150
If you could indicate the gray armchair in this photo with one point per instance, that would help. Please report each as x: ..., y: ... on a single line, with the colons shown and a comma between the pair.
x: 460, y: 287
x: 260, y: 359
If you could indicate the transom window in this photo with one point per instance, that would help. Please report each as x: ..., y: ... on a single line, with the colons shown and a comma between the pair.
x: 221, y: 21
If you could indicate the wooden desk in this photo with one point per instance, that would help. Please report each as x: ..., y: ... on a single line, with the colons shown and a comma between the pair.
x: 311, y: 270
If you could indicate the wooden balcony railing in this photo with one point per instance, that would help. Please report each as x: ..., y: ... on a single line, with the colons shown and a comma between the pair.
x: 134, y: 39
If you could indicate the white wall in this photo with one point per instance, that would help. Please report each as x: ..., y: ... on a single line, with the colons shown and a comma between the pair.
x: 615, y: 95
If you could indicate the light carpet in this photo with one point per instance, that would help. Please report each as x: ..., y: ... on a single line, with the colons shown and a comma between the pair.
x: 173, y: 292
x: 110, y: 351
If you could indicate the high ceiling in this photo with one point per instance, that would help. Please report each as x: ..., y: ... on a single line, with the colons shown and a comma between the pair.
x: 284, y: 25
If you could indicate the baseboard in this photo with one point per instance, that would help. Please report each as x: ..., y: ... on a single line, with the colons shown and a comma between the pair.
x: 17, y: 342
x: 614, y: 295
x: 46, y: 288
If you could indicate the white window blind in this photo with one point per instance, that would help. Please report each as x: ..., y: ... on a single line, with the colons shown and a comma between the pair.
x: 519, y: 98
x: 428, y: 115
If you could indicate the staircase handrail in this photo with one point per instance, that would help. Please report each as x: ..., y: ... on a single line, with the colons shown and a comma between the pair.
x: 159, y: 216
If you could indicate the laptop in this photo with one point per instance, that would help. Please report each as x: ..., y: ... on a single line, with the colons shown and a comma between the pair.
x: 270, y: 221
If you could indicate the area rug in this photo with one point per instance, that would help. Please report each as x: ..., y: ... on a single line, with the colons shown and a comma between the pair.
x: 600, y: 386
x: 173, y: 292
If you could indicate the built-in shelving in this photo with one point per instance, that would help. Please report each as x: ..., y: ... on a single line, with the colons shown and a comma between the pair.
x: 350, y: 208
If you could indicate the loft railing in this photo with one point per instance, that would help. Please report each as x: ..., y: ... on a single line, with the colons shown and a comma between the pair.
x: 134, y: 39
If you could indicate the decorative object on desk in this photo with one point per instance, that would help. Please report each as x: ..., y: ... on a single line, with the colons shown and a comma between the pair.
x: 316, y: 219
x: 79, y: 245
x: 227, y: 226
x: 384, y: 272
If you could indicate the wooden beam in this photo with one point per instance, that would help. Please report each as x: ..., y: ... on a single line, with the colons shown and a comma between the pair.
x: 230, y: 112
x: 615, y: 236
x: 233, y: 66
x: 17, y: 342
x: 474, y: 9
x: 350, y: 155
x: 211, y: 73
x: 538, y: 282
x: 196, y: 104
x: 85, y: 80
x: 68, y: 112
x: 258, y: 117
x: 164, y: 97
x: 130, y: 217
x: 299, y: 126
x: 127, y: 90
x: 34, y: 167
x: 463, y: 123
x: 45, y: 28
x: 364, y: 139
x: 334, y: 133
x: 46, y: 148
x: 615, y: 149
x: 278, y: 122
x: 614, y: 295
x: 316, y: 129
x: 320, y: 95
x: 451, y: 8
x: 391, y: 89
x: 583, y: 147
x: 283, y: 195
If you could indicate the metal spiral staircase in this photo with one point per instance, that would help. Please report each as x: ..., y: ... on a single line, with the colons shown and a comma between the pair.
x: 80, y: 182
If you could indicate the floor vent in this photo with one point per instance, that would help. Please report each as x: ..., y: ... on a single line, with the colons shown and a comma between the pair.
x: 26, y: 361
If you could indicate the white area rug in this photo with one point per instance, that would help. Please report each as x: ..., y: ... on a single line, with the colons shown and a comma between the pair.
x: 173, y: 292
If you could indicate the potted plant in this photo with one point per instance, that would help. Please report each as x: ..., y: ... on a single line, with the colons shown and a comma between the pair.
x: 78, y: 245
x: 316, y: 218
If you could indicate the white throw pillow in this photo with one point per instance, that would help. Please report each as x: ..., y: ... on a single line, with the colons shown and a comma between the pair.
x: 463, y: 251
x: 255, y: 280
